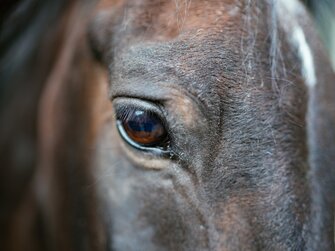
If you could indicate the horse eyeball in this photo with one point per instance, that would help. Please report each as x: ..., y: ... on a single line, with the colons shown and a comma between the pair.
x: 144, y: 128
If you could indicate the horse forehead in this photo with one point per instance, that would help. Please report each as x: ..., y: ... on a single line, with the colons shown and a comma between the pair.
x: 182, y: 39
x: 164, y: 19
x: 161, y: 32
x: 181, y: 7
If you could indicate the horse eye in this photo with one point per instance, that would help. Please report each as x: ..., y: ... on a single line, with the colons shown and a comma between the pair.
x: 143, y: 129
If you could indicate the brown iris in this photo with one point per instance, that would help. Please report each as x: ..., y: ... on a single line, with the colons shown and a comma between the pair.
x: 144, y: 128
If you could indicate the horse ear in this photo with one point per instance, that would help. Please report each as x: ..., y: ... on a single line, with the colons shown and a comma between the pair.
x: 100, y: 31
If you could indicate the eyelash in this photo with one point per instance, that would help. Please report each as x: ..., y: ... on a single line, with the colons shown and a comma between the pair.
x: 125, y: 112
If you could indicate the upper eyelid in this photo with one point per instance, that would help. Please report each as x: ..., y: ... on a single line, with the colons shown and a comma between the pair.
x: 169, y: 95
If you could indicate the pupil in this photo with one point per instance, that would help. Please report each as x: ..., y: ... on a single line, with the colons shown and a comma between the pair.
x: 145, y: 128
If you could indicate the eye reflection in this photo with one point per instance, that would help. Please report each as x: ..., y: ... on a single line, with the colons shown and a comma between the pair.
x: 143, y: 128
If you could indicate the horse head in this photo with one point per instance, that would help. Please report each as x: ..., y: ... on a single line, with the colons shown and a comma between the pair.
x: 206, y: 144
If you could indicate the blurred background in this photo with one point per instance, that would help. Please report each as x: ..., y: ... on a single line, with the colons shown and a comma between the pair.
x: 324, y: 14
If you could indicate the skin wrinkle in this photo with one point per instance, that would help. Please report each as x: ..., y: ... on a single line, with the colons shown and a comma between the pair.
x: 240, y: 171
x: 185, y: 194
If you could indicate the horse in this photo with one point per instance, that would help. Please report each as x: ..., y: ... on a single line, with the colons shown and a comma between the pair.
x: 173, y: 125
